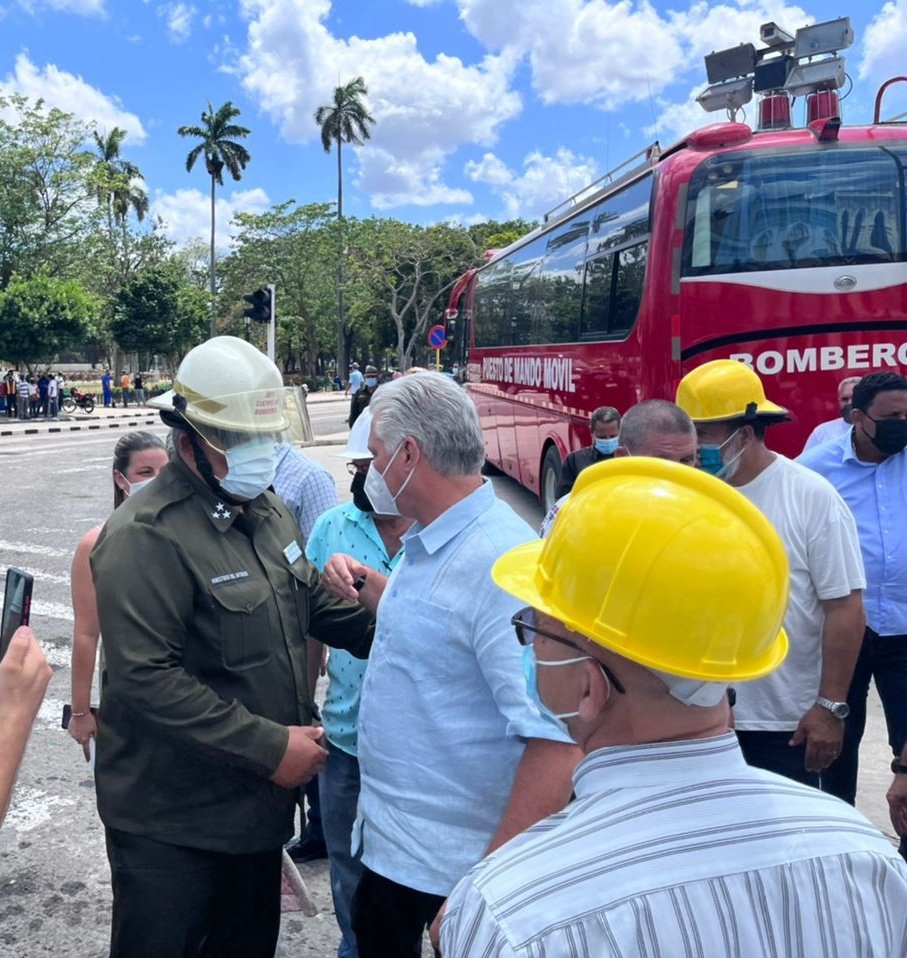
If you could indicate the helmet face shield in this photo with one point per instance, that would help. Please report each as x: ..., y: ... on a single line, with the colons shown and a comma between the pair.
x: 233, y: 419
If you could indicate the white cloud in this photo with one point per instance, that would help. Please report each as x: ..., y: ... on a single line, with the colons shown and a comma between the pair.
x: 544, y: 182
x: 612, y: 54
x: 72, y: 94
x: 179, y: 18
x: 884, y: 43
x: 424, y: 109
x: 186, y: 214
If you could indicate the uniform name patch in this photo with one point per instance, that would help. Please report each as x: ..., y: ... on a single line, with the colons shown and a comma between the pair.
x: 229, y: 577
x: 292, y: 552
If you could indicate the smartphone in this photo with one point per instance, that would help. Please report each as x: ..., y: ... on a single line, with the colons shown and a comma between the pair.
x: 16, y: 604
x: 67, y: 714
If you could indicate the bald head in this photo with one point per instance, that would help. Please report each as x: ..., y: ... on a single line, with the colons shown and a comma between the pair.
x: 660, y: 429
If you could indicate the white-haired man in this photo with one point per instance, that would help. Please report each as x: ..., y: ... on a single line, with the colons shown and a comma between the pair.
x: 455, y: 759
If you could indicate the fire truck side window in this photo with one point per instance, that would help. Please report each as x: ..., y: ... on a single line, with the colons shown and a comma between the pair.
x: 748, y: 212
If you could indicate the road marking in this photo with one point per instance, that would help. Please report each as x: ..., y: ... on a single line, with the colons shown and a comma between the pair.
x: 52, y: 610
x: 31, y: 548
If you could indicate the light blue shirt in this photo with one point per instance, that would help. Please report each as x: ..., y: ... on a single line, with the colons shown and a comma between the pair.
x: 351, y: 531
x: 877, y: 496
x: 827, y: 432
x: 445, y: 714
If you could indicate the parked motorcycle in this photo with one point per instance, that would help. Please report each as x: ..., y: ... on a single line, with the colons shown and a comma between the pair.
x: 76, y: 400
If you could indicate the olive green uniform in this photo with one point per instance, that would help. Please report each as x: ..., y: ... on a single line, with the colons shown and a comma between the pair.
x: 204, y: 610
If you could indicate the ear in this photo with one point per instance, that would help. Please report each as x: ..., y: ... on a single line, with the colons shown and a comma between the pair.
x: 596, y: 692
x: 411, y: 451
x: 120, y: 481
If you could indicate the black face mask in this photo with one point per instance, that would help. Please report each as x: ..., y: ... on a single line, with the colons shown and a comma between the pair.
x: 891, y: 435
x: 846, y: 410
x: 360, y: 499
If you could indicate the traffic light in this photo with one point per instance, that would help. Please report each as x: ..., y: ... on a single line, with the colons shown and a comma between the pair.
x: 259, y: 310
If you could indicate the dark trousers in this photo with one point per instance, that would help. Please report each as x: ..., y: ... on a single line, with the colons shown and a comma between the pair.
x: 884, y: 659
x: 174, y: 902
x: 389, y: 920
x: 769, y: 750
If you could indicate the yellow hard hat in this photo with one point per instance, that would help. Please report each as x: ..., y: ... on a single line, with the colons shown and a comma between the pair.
x: 664, y: 565
x: 725, y: 389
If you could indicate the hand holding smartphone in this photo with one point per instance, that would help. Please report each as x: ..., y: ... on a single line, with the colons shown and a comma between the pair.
x: 16, y: 604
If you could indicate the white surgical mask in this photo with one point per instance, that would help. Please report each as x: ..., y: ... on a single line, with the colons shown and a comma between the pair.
x: 376, y: 489
x: 134, y: 487
x: 251, y: 467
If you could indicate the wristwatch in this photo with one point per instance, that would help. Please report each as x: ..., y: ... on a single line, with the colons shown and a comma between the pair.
x: 840, y: 710
x: 898, y: 768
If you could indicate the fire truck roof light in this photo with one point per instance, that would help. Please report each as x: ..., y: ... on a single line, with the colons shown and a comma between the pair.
x: 737, y: 61
x: 820, y: 75
x: 726, y: 96
x: 828, y: 37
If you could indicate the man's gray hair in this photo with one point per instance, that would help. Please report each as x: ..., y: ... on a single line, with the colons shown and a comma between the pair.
x: 652, y: 416
x: 437, y: 413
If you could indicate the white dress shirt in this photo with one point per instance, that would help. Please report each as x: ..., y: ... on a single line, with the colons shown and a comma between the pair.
x: 681, y: 849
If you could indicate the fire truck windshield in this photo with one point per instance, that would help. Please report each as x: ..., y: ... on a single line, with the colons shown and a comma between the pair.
x: 750, y: 211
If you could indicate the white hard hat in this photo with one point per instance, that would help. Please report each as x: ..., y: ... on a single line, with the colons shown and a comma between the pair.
x: 229, y: 386
x: 357, y: 443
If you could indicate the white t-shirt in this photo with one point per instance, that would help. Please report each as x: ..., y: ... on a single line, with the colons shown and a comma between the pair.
x: 820, y: 537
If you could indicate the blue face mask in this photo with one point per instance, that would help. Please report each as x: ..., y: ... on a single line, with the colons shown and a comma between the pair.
x: 371, y: 382
x: 606, y: 447
x: 711, y: 458
x: 530, y: 671
x: 251, y: 468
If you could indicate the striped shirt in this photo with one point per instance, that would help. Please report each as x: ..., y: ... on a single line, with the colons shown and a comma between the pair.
x: 307, y: 488
x: 681, y: 849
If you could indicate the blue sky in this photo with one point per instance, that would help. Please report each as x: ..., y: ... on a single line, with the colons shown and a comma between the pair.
x: 485, y: 108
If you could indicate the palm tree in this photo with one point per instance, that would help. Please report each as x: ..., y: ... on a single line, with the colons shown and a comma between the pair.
x: 117, y: 181
x: 346, y: 120
x: 218, y: 135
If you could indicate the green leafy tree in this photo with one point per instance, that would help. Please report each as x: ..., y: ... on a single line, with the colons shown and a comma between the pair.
x: 46, y: 206
x: 40, y: 316
x: 346, y: 120
x: 293, y: 247
x: 411, y: 267
x: 158, y: 312
x: 219, y: 135
x: 118, y: 183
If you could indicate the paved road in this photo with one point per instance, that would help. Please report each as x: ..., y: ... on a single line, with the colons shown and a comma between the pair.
x: 54, y: 886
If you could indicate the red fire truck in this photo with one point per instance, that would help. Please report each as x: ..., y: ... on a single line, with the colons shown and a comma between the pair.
x: 782, y: 247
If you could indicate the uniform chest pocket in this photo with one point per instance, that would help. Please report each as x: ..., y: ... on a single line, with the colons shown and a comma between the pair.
x: 246, y: 624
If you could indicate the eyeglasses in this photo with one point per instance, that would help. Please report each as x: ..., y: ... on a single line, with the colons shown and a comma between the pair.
x: 356, y: 467
x: 521, y: 627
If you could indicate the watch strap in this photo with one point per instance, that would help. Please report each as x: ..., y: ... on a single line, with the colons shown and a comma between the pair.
x: 898, y: 767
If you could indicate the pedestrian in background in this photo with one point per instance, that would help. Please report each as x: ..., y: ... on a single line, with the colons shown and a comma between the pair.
x: 840, y: 425
x: 362, y: 397
x: 455, y: 758
x: 673, y: 845
x: 138, y: 384
x: 868, y: 467
x: 604, y: 427
x: 137, y: 458
x: 124, y: 387
x: 107, y: 388
x: 355, y: 381
x: 24, y: 398
x: 792, y: 721
x: 53, y: 396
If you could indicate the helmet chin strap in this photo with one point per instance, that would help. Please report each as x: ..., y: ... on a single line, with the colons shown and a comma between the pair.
x: 206, y: 471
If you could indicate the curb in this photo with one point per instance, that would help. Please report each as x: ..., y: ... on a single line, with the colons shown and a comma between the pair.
x: 86, y: 428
